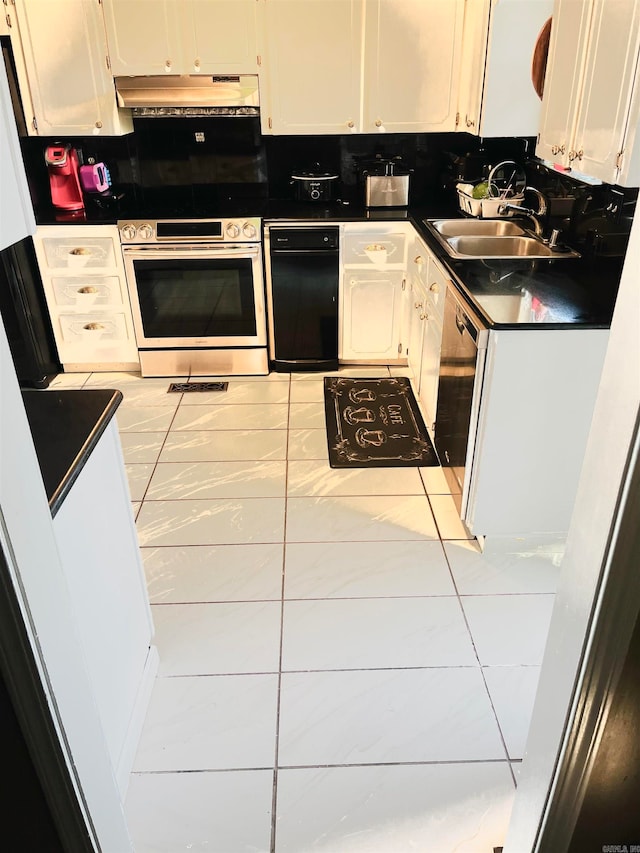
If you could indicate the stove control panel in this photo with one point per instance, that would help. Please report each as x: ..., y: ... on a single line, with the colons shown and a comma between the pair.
x: 134, y: 231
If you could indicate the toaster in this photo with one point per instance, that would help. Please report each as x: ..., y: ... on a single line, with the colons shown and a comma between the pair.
x: 388, y: 189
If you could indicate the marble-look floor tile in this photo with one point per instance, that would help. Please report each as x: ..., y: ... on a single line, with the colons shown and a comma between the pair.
x: 232, y: 521
x: 354, y: 370
x: 175, y: 480
x: 212, y: 812
x: 207, y: 573
x: 141, y: 447
x: 243, y: 417
x: 225, y: 445
x: 307, y: 392
x: 69, y: 380
x: 308, y: 444
x: 401, y: 371
x: 117, y: 378
x: 438, y: 808
x: 364, y: 519
x: 135, y: 508
x: 310, y: 478
x: 435, y: 483
x: 509, y: 630
x: 478, y: 573
x: 369, y: 633
x: 306, y: 416
x: 221, y: 722
x: 448, y: 518
x: 145, y: 392
x: 217, y: 639
x: 513, y: 692
x: 241, y: 392
x: 145, y: 418
x: 366, y: 570
x: 138, y: 477
x: 383, y: 716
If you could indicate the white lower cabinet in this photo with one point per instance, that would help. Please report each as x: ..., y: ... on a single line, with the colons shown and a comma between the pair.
x: 96, y: 538
x: 84, y: 284
x: 534, y: 411
x: 373, y: 265
x: 372, y: 316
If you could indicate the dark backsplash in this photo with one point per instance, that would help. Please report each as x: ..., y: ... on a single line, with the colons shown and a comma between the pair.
x: 198, y: 165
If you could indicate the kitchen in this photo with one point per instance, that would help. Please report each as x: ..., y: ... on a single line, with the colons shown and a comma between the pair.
x: 349, y: 138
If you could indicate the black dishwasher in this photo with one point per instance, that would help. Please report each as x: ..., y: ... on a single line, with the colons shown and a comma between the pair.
x: 302, y: 270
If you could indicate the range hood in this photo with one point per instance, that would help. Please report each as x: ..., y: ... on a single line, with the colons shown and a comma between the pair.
x: 189, y: 95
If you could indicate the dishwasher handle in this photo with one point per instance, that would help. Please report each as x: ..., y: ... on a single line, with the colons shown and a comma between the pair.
x: 464, y: 324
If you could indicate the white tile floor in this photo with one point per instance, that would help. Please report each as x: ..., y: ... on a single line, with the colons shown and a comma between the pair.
x: 342, y: 670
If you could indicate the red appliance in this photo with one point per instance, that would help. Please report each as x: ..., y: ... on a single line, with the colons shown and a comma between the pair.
x: 62, y: 163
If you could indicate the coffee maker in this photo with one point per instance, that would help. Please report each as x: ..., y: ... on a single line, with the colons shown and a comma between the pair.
x: 63, y: 166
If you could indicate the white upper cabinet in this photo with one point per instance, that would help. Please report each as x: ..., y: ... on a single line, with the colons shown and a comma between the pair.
x: 220, y: 36
x: 16, y: 213
x: 312, y: 66
x: 497, y: 97
x: 65, y: 58
x: 182, y: 36
x: 361, y: 66
x: 143, y: 37
x: 591, y: 102
x: 411, y: 65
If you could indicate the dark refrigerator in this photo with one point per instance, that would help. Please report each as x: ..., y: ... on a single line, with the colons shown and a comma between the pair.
x: 25, y: 316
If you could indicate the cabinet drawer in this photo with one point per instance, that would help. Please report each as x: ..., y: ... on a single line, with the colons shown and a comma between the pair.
x: 86, y: 291
x: 79, y: 254
x: 93, y: 328
x: 436, y: 290
x: 373, y: 250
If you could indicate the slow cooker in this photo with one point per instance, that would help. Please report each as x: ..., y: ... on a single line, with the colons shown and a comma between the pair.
x: 314, y: 185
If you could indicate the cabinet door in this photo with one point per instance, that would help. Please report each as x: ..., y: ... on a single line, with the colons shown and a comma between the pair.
x: 472, y: 63
x: 430, y: 366
x: 372, y: 316
x: 144, y: 37
x: 565, y: 66
x: 16, y: 214
x: 312, y: 66
x: 416, y: 332
x: 411, y: 63
x: 612, y: 61
x: 65, y: 56
x: 220, y: 36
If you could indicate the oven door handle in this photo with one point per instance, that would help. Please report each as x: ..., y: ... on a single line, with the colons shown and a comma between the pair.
x: 199, y: 251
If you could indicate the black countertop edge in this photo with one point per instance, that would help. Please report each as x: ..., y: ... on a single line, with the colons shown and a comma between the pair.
x: 66, y: 425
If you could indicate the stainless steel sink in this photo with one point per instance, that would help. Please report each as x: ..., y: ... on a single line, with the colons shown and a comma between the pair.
x: 476, y: 227
x: 491, y: 238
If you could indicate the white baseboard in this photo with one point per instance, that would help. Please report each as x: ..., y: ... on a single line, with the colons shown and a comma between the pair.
x: 130, y: 745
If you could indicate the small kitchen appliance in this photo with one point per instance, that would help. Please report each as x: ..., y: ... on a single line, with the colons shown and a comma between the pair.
x: 386, y: 184
x: 314, y: 184
x: 63, y: 167
x: 95, y: 178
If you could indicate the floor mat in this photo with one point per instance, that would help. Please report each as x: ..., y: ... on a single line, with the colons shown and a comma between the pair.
x: 375, y: 423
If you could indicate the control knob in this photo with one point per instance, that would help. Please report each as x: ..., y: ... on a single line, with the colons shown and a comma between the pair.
x: 249, y: 230
x: 232, y: 230
x: 315, y: 194
x: 145, y: 232
x: 128, y: 232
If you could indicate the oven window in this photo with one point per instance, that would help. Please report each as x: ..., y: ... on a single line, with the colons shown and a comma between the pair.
x: 196, y: 298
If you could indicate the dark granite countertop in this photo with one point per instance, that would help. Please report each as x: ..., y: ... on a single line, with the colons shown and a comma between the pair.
x: 523, y: 294
x: 531, y: 294
x: 66, y: 425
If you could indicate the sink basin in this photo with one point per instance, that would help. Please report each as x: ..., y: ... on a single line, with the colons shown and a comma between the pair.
x: 476, y: 227
x: 491, y: 238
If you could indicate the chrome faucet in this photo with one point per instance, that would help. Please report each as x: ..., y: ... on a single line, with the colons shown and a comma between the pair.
x: 533, y: 215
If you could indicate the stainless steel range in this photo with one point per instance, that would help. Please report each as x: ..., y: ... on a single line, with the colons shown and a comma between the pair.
x: 197, y: 295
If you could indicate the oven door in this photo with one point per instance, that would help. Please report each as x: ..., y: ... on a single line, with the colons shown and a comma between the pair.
x: 196, y: 295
